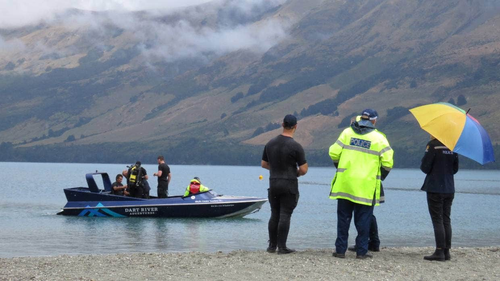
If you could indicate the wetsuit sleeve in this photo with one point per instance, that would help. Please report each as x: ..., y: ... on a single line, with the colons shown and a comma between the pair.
x: 187, y: 192
x: 264, y: 155
x: 428, y: 159
x: 301, y: 155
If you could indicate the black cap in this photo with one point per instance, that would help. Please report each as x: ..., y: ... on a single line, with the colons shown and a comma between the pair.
x: 138, y: 163
x: 289, y: 121
x: 369, y: 114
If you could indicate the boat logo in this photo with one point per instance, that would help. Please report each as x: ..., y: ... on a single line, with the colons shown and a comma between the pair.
x: 100, y: 212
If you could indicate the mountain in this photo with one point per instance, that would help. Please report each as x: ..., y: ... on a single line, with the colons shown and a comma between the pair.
x: 211, y: 83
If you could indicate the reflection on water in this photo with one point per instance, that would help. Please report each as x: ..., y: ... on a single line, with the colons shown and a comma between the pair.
x: 31, y: 228
x: 161, y: 234
x: 194, y: 237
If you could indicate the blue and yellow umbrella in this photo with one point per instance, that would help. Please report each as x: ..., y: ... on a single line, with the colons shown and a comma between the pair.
x: 456, y: 129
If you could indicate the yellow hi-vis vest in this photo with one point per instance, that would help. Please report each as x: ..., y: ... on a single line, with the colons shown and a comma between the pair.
x: 202, y: 188
x: 359, y: 159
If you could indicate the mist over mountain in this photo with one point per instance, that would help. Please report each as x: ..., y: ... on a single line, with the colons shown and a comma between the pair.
x: 210, y: 83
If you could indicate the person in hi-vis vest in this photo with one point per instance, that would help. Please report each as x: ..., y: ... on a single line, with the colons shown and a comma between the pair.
x: 195, y: 187
x: 363, y: 157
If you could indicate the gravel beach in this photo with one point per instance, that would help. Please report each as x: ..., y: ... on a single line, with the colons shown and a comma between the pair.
x: 389, y: 264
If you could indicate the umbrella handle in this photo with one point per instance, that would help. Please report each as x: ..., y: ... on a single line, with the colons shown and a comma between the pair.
x: 467, y: 111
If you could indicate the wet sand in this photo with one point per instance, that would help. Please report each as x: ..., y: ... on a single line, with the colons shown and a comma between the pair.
x: 388, y: 264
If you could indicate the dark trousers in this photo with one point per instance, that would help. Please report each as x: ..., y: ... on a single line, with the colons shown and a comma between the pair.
x: 136, y: 191
x: 162, y: 189
x: 147, y: 188
x: 440, y: 211
x: 283, y: 201
x: 374, y: 241
x: 362, y: 220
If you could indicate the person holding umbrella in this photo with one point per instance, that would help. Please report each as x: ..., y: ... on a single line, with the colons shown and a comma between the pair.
x: 439, y: 164
x: 453, y: 130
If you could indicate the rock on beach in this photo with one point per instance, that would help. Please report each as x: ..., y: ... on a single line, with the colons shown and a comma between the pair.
x: 313, y: 264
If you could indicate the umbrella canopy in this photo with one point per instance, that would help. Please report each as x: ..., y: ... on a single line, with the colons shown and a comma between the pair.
x: 456, y: 129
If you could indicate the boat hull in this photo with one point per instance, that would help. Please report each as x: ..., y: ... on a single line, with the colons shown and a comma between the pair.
x: 82, y: 202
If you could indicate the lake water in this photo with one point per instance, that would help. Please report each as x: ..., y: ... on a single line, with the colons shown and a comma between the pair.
x: 32, y: 194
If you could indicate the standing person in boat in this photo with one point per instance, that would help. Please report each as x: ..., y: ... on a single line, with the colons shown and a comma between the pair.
x: 135, y: 176
x: 164, y: 177
x: 195, y: 187
x: 117, y: 188
x: 286, y: 161
x: 363, y: 158
x: 440, y: 165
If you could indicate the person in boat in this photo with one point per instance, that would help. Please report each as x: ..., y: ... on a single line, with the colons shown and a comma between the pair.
x: 164, y: 176
x: 117, y: 188
x: 136, y: 180
x: 195, y: 187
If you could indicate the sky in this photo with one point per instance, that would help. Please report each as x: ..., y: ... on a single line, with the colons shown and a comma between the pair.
x: 17, y: 13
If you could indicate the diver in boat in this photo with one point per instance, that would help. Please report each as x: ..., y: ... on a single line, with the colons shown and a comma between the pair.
x: 117, y: 188
x: 195, y: 187
x: 136, y: 176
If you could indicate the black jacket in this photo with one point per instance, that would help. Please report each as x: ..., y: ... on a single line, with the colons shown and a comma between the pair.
x: 440, y: 164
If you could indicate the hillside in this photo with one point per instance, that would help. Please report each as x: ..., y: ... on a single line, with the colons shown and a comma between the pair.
x: 208, y: 84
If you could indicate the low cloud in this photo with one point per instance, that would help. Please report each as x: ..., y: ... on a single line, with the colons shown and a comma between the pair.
x: 169, y: 37
x: 166, y: 34
x: 19, y: 13
x: 184, y: 40
x: 11, y: 45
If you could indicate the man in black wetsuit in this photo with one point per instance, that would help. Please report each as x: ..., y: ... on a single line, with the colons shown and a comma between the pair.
x: 164, y: 176
x: 440, y: 164
x: 285, y: 158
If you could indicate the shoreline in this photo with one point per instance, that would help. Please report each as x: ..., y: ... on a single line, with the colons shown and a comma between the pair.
x: 391, y: 263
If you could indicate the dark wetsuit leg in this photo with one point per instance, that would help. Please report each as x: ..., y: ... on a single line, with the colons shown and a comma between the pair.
x: 283, y: 199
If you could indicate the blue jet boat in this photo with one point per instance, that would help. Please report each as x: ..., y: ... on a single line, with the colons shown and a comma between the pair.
x: 92, y: 201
